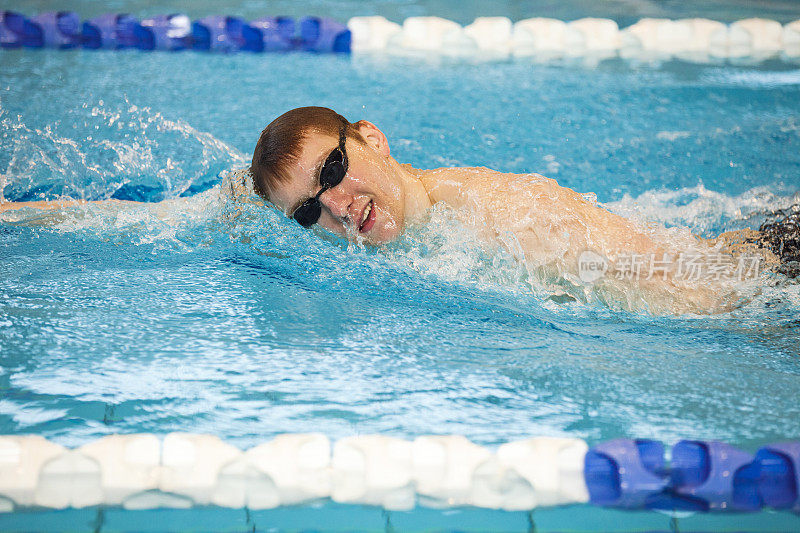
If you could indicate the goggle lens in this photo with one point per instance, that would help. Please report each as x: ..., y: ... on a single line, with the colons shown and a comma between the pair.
x: 331, y: 174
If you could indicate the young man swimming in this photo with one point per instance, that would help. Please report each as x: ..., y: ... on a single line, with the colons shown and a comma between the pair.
x: 318, y: 168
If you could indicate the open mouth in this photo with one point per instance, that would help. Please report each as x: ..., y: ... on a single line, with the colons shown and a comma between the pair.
x: 367, y: 218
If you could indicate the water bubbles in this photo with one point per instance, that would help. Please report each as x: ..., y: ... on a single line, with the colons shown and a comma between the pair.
x: 132, y: 153
x: 552, y: 166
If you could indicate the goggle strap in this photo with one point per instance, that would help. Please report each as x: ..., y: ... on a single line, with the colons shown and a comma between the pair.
x: 342, y: 141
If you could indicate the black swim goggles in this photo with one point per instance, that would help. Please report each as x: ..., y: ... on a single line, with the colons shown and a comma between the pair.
x: 330, y: 175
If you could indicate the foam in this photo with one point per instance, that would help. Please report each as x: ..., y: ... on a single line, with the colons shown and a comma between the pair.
x: 552, y: 466
x: 373, y: 469
x: 444, y: 467
x: 764, y: 35
x: 700, y: 209
x: 123, y: 150
x: 21, y: 460
x: 539, y: 36
x: 543, y: 39
x: 492, y: 35
x: 692, y: 39
x: 431, y: 34
x: 458, y: 254
x: 592, y: 36
x: 371, y: 33
x: 593, y: 39
x: 129, y: 464
x: 288, y: 470
x: 791, y: 39
x: 181, y: 470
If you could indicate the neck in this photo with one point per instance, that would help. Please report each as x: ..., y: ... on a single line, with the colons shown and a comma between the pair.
x: 417, y: 200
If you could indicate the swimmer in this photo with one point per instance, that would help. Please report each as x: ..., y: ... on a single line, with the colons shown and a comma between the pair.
x: 319, y: 169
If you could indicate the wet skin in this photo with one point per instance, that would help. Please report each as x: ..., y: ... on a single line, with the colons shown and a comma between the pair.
x: 397, y: 193
x: 544, y: 225
x: 376, y: 198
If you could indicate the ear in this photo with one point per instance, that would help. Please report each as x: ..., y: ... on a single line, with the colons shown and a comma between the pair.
x: 373, y: 137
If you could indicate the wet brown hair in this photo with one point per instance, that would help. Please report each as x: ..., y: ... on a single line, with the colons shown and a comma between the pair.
x: 281, y: 143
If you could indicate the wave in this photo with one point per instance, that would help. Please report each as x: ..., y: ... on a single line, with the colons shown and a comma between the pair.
x: 141, y: 154
x: 129, y: 153
x: 704, y: 211
x: 442, y: 247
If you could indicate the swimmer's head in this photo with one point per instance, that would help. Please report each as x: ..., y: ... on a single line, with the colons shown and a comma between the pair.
x: 281, y: 143
x: 370, y: 199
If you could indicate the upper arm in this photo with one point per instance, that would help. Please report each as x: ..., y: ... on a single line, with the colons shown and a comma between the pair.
x: 515, y: 201
x: 55, y: 205
x: 45, y: 205
x: 546, y: 219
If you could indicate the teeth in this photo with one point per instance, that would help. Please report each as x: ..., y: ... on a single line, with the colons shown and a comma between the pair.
x: 366, y: 212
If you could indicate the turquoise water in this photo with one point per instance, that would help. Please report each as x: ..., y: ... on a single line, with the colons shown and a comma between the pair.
x: 361, y: 518
x: 251, y: 327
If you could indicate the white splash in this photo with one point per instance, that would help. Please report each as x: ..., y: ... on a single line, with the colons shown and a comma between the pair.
x: 112, y: 147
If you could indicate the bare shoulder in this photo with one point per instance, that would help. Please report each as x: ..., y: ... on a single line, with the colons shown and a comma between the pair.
x: 462, y: 186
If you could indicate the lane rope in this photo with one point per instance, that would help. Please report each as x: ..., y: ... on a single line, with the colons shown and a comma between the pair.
x: 593, y: 39
x: 143, y: 471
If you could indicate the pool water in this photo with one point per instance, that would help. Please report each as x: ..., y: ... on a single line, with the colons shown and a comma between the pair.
x: 249, y: 326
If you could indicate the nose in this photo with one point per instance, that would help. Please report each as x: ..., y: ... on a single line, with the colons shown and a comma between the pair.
x: 337, y: 201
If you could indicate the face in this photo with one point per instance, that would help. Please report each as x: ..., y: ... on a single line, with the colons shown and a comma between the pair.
x: 369, y: 201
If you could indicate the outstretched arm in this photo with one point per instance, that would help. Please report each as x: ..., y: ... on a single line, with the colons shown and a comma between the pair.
x: 45, y: 213
x: 50, y: 205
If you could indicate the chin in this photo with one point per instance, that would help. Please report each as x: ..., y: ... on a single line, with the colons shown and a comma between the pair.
x: 379, y: 240
x: 384, y: 234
